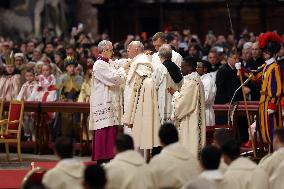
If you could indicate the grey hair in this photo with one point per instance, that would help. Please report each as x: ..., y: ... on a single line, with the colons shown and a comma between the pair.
x: 103, y: 45
x: 247, y: 45
x: 138, y: 45
x: 165, y: 52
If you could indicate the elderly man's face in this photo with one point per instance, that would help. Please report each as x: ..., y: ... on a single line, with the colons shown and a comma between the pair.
x: 132, y: 51
x: 246, y: 54
x: 108, y: 51
x: 158, y: 43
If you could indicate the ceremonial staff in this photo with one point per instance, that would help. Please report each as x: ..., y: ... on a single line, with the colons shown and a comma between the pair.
x: 241, y: 79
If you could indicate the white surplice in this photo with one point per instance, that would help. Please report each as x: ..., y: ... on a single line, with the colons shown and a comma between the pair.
x: 210, y: 92
x: 105, y: 104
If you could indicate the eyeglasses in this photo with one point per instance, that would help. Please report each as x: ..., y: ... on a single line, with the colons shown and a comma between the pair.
x: 111, y: 50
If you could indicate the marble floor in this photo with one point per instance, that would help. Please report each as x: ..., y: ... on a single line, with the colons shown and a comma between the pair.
x: 28, y: 158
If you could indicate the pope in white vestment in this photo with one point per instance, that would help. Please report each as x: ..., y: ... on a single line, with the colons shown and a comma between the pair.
x: 189, y: 110
x: 140, y: 100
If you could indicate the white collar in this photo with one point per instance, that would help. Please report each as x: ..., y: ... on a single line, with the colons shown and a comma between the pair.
x: 212, y: 174
x: 270, y: 61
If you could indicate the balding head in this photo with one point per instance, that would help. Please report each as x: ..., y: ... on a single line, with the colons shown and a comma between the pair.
x: 165, y: 52
x: 134, y: 48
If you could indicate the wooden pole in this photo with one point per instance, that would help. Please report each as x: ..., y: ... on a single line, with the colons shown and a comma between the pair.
x: 248, y: 119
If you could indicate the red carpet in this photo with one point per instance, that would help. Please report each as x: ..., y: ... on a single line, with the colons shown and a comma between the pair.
x: 12, y: 178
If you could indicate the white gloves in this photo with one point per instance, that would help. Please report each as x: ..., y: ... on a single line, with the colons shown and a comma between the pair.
x: 238, y: 65
x: 270, y: 111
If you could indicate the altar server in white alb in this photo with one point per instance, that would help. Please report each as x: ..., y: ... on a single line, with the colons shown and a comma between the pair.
x: 189, y: 109
x: 159, y: 39
x: 208, y: 81
x: 105, y: 105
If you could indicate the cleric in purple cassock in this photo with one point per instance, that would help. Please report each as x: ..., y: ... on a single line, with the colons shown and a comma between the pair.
x: 105, y: 105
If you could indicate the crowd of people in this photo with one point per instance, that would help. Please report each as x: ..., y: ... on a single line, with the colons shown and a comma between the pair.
x: 143, y: 84
x: 219, y: 166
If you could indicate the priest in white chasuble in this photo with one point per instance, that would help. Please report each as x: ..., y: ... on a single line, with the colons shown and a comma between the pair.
x: 167, y: 74
x: 140, y: 99
x: 105, y: 105
x: 189, y: 108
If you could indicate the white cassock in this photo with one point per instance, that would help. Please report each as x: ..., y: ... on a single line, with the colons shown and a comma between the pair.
x: 210, y: 92
x: 176, y: 58
x: 68, y: 173
x: 174, y: 167
x: 246, y: 175
x: 141, y: 105
x: 277, y: 178
x: 128, y: 170
x: 210, y: 179
x: 163, y: 81
x: 271, y: 163
x: 189, y: 111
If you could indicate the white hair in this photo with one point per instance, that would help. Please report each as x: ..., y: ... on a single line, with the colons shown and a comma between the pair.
x: 165, y: 51
x: 138, y: 45
x: 103, y: 45
x: 247, y: 45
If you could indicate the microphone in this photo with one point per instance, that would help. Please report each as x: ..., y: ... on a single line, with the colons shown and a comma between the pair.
x: 246, y: 81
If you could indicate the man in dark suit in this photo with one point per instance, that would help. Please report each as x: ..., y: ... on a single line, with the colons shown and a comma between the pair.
x: 227, y: 81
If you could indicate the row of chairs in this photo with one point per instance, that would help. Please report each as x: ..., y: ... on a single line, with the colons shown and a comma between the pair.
x: 10, y: 128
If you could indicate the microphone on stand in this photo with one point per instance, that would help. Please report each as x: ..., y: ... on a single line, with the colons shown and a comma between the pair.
x: 246, y: 81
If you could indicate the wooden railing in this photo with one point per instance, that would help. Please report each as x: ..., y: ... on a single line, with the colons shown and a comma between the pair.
x: 42, y: 108
x: 40, y: 119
